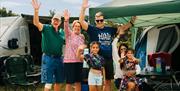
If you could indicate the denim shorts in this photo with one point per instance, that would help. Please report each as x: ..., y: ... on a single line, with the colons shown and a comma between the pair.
x: 52, y: 69
x: 95, y: 79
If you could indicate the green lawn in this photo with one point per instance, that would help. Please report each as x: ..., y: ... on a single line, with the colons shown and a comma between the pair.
x: 40, y: 88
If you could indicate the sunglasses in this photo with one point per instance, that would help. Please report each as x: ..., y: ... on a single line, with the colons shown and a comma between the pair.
x: 100, y: 20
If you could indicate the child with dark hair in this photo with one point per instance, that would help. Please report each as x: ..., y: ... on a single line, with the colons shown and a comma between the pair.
x: 128, y: 65
x: 96, y: 63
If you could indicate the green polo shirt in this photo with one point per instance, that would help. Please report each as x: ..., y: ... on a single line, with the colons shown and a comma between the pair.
x: 52, y: 41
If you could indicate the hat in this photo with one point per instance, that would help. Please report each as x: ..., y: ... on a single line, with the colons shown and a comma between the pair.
x: 57, y: 16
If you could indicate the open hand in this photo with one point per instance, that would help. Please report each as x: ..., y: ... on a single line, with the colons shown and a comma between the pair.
x: 85, y: 4
x: 133, y: 19
x: 66, y: 15
x: 36, y: 5
x: 123, y: 55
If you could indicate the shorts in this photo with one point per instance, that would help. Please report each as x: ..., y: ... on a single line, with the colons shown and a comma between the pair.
x: 52, y: 69
x: 73, y: 72
x: 85, y: 72
x: 95, y: 79
x: 109, y: 70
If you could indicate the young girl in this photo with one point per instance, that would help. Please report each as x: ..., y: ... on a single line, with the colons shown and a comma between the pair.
x: 95, y: 62
x: 128, y: 64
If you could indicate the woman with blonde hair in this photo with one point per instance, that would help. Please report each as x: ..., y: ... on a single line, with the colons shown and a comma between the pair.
x: 72, y: 65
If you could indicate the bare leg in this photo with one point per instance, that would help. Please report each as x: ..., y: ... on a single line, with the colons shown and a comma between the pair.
x: 131, y: 86
x: 77, y: 86
x: 68, y: 87
x: 57, y: 87
x: 46, y: 89
x: 92, y: 88
x: 107, y: 86
x: 99, y: 88
x: 136, y: 88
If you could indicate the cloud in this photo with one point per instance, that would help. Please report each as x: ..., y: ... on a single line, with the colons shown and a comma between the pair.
x: 24, y: 6
x: 92, y: 3
x: 73, y: 1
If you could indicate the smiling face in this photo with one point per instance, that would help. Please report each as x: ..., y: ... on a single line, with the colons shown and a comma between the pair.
x: 55, y: 22
x: 76, y: 27
x: 123, y: 48
x: 130, y: 54
x: 94, y: 47
x: 99, y: 20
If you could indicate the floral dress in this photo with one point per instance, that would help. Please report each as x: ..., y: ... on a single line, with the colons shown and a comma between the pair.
x: 94, y: 61
x: 129, y: 66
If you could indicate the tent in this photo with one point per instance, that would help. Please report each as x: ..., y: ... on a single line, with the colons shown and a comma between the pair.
x: 154, y: 13
x: 149, y: 12
x: 160, y: 38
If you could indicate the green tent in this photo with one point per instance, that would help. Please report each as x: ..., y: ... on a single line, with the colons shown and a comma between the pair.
x: 149, y: 12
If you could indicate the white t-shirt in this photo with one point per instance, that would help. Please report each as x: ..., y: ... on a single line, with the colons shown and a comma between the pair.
x: 118, y: 72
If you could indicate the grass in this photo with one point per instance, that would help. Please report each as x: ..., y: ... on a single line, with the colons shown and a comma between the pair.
x: 41, y: 86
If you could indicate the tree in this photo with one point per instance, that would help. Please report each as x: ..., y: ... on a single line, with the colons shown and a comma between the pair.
x: 5, y: 13
x: 52, y: 12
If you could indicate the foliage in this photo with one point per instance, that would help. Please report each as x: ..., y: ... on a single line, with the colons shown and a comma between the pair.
x: 4, y: 12
x: 52, y: 12
x: 125, y: 39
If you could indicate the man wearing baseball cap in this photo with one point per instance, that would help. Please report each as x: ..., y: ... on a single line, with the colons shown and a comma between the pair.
x: 52, y: 68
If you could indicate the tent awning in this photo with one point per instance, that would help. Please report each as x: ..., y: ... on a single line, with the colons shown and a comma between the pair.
x: 151, y: 20
x: 157, y: 13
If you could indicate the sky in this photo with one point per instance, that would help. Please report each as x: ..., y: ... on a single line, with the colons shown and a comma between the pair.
x: 25, y: 7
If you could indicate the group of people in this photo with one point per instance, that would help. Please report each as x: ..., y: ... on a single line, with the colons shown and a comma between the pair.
x: 103, y: 52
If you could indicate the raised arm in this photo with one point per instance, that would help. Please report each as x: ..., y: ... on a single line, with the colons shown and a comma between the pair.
x: 84, y: 24
x: 80, y: 50
x: 115, y: 54
x: 66, y: 23
x: 36, y: 21
x: 125, y: 27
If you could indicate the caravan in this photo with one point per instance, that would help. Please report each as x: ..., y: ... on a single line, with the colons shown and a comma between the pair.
x: 19, y: 36
x: 14, y: 36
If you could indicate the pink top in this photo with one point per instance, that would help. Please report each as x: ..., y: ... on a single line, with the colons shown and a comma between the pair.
x: 73, y: 41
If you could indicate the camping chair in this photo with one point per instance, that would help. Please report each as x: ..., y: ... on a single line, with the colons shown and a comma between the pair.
x: 2, y: 58
x: 30, y: 62
x: 16, y: 68
x: 32, y: 69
